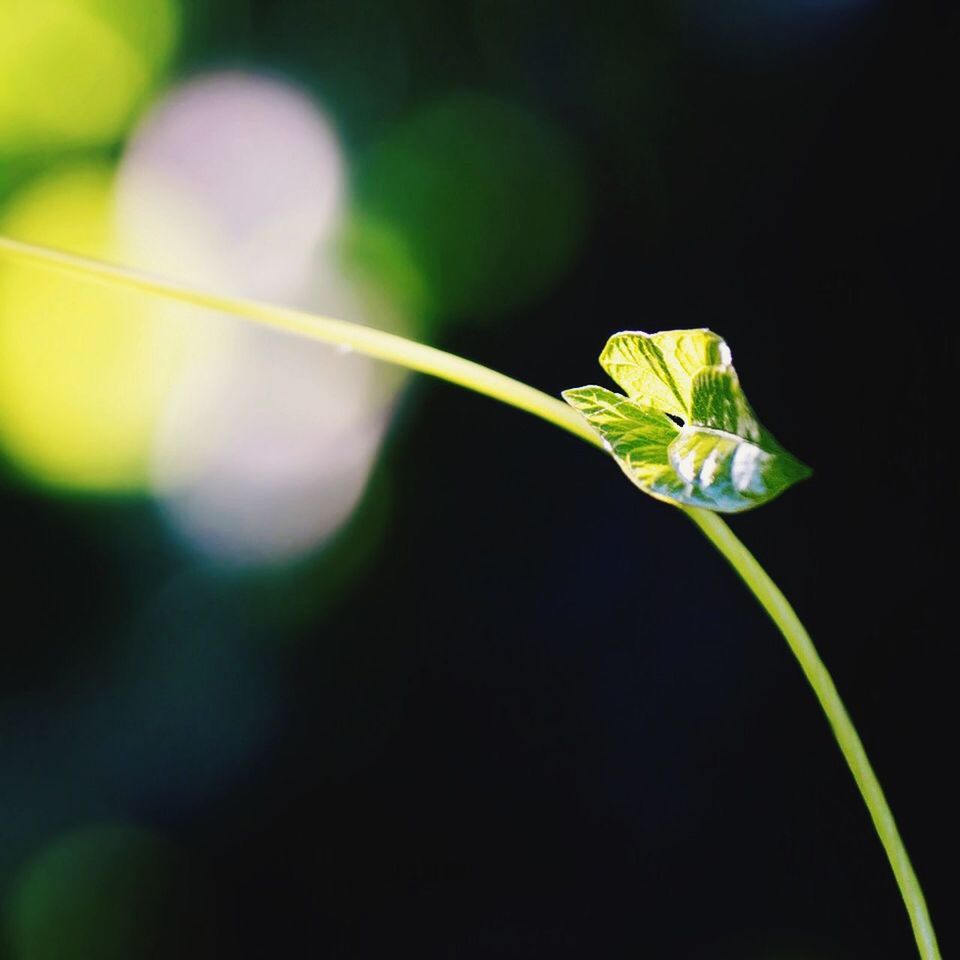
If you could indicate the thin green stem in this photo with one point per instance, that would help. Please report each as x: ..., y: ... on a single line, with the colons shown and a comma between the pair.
x: 366, y: 340
x: 783, y: 615
x: 473, y: 376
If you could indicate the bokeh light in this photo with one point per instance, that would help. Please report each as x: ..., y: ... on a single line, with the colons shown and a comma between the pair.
x: 73, y: 72
x: 486, y: 195
x: 195, y: 701
x: 374, y: 256
x: 83, y: 369
x: 251, y: 158
x: 264, y: 456
x: 112, y: 891
x: 263, y: 451
x: 183, y: 700
x: 258, y: 446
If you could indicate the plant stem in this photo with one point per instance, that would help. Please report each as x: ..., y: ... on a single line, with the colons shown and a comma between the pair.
x: 783, y: 615
x: 473, y: 376
x: 366, y: 340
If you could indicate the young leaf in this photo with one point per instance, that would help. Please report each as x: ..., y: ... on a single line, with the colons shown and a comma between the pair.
x: 719, y: 456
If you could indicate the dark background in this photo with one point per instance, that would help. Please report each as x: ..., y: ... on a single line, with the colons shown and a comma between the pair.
x: 538, y: 716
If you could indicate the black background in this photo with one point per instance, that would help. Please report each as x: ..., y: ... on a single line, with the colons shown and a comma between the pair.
x: 545, y: 720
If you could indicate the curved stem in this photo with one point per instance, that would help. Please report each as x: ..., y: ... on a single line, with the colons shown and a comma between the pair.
x: 366, y: 340
x: 783, y: 615
x: 473, y: 376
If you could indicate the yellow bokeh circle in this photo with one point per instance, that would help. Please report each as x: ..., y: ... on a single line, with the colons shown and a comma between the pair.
x: 84, y: 369
x: 73, y: 72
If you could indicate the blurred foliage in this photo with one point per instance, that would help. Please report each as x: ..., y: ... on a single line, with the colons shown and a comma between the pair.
x: 487, y: 196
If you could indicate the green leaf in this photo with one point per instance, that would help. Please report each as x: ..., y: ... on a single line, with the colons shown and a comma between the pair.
x: 685, y: 432
x: 658, y: 369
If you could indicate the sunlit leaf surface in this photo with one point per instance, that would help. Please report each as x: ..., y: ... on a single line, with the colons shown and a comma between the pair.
x: 685, y: 432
